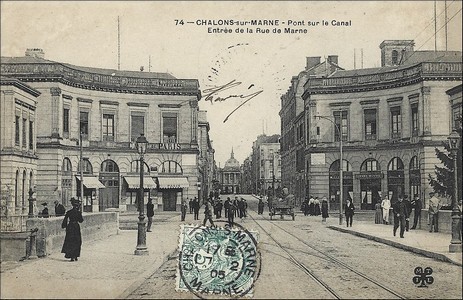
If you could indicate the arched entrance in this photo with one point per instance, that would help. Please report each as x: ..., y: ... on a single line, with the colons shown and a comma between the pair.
x: 370, y: 183
x: 109, y: 177
x: 347, y: 182
x: 395, y: 179
x: 171, y: 192
x: 66, y: 182
x: 415, y: 177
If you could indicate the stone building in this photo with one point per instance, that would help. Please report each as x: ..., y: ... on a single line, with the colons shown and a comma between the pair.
x: 206, y: 164
x: 390, y: 120
x: 230, y: 176
x: 18, y: 158
x: 105, y: 111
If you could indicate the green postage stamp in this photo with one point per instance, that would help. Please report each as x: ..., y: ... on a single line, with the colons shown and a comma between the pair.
x: 217, y: 261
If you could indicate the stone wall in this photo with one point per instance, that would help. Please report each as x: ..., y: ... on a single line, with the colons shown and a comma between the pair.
x: 50, y: 236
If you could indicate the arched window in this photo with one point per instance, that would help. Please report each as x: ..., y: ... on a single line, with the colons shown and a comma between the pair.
x: 370, y: 183
x: 31, y: 185
x: 66, y: 168
x: 395, y: 179
x: 170, y: 166
x: 414, y: 163
x: 87, y: 167
x: 415, y: 177
x: 135, y: 167
x: 395, y: 164
x: 334, y: 183
x: 395, y: 57
x: 109, y: 166
x: 370, y: 165
x: 346, y: 166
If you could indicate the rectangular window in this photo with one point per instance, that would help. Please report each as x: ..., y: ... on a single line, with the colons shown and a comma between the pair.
x: 108, y: 127
x: 169, y: 127
x: 396, y: 123
x: 16, y: 132
x: 84, y: 124
x: 31, y: 135
x: 370, y: 124
x: 414, y: 119
x: 456, y: 115
x: 137, y: 127
x: 66, y: 122
x: 24, y: 133
x: 340, y: 119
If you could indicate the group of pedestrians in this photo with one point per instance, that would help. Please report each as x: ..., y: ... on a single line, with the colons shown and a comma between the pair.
x: 311, y: 207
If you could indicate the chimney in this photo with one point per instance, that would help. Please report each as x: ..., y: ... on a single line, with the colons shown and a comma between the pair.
x: 312, y: 61
x: 35, y: 52
x: 333, y: 59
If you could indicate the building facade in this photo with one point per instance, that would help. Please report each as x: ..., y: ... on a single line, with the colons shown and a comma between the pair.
x: 389, y: 119
x: 230, y: 176
x: 89, y: 119
x: 206, y: 164
x: 18, y: 155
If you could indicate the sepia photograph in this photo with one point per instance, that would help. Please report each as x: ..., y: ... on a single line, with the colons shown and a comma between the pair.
x: 231, y: 149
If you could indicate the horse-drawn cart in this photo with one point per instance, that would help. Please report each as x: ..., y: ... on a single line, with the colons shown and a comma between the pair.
x: 282, y: 207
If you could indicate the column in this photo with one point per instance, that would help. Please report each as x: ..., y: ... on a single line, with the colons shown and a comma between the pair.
x: 55, y: 111
x: 425, y: 118
x: 194, y: 120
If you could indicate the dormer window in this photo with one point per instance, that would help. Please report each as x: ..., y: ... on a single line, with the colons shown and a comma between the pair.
x: 395, y: 57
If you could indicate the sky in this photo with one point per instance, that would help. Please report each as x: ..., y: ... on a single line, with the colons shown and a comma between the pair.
x: 260, y: 64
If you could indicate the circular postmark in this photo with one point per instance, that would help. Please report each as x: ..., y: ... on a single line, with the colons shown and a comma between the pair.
x: 218, y: 261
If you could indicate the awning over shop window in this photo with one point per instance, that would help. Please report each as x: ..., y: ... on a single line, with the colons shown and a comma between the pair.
x: 134, y: 182
x: 91, y: 182
x: 173, y: 182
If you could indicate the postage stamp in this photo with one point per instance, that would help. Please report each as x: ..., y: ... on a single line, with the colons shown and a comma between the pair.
x: 218, y: 261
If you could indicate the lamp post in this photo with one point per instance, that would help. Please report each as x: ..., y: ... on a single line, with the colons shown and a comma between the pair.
x: 141, y: 249
x: 455, y: 243
x: 340, y: 165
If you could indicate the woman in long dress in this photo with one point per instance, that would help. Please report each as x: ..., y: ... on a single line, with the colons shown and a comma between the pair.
x: 386, y: 205
x: 378, y: 213
x: 73, y: 239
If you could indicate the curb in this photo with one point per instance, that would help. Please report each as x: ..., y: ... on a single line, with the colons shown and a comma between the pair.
x: 426, y: 253
x: 137, y: 283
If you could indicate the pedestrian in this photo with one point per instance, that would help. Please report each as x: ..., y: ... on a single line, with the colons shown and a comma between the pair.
x: 235, y: 203
x: 245, y: 207
x: 400, y: 212
x: 208, y: 212
x: 183, y: 208
x: 305, y: 206
x: 196, y: 208
x: 59, y: 209
x: 434, y: 207
x: 311, y: 206
x: 190, y: 205
x: 324, y: 209
x: 73, y: 239
x: 44, y: 212
x: 260, y: 206
x: 227, y: 206
x: 349, y: 212
x: 417, y: 205
x: 149, y: 213
x: 409, y: 211
x: 378, y: 213
x: 386, y: 205
x: 316, y: 206
x: 231, y: 213
x: 219, y: 208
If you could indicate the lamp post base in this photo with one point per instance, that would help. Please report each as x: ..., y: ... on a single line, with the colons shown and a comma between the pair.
x: 455, y: 243
x: 455, y: 248
x: 141, y: 252
x: 141, y: 239
x: 340, y: 219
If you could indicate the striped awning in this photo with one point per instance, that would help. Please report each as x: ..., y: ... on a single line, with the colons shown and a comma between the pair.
x: 173, y: 182
x: 91, y: 182
x: 134, y: 182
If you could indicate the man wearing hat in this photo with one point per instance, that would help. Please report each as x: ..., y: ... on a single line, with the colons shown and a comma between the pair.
x: 44, y: 212
x: 434, y: 207
x: 416, y: 203
x: 59, y: 209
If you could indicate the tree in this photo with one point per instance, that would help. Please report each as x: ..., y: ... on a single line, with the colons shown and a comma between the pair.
x: 443, y: 182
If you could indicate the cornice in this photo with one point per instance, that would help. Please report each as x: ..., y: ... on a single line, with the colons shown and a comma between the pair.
x: 20, y: 85
x: 138, y: 104
x: 85, y: 100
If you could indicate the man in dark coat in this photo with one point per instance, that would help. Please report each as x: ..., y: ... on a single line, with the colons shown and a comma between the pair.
x: 44, y: 213
x: 59, y: 209
x: 400, y: 215
x: 416, y: 203
x: 231, y: 213
x: 219, y: 206
x: 208, y: 212
x: 196, y: 208
x: 73, y: 238
x: 260, y: 206
x: 190, y: 205
x: 149, y: 214
x: 408, y: 205
x: 227, y: 206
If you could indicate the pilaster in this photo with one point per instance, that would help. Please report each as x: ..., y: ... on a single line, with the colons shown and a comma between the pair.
x: 55, y: 111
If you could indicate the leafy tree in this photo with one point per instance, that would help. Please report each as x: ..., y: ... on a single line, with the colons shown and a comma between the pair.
x: 444, y: 181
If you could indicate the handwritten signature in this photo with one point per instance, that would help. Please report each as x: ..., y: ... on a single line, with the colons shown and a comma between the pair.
x: 213, y: 91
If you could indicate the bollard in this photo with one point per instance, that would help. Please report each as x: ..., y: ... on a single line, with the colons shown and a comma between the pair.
x: 33, y: 244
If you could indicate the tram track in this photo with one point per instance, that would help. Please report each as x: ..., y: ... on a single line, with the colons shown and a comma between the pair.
x: 329, y: 258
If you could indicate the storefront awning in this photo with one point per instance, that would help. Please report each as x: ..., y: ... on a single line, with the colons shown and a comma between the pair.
x: 92, y: 182
x: 134, y: 182
x: 173, y: 182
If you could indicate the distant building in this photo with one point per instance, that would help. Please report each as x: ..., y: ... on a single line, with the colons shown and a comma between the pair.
x: 390, y: 120
x: 206, y: 163
x: 108, y: 110
x: 230, y: 176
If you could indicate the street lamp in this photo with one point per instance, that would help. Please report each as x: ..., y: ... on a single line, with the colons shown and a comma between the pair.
x: 141, y: 249
x: 455, y: 243
x: 340, y: 165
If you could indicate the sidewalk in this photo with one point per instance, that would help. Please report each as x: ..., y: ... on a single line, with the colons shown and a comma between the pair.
x: 106, y: 269
x: 434, y: 245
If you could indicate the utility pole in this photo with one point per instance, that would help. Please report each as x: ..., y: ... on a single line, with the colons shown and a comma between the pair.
x: 81, y: 159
